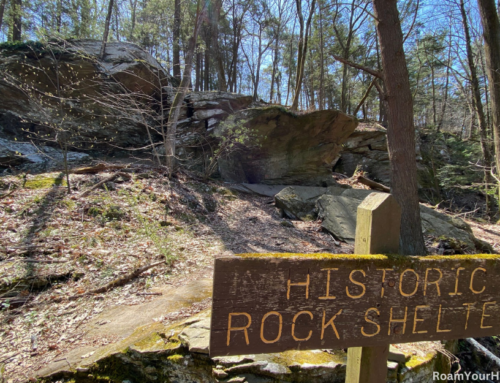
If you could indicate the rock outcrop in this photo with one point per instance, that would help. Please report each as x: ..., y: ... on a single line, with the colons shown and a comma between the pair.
x: 336, y: 207
x: 147, y: 351
x: 72, y: 71
x: 289, y: 149
x: 299, y: 202
x: 112, y: 100
x: 366, y: 148
x: 15, y: 153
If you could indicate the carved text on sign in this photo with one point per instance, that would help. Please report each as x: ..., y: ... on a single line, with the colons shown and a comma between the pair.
x: 271, y: 304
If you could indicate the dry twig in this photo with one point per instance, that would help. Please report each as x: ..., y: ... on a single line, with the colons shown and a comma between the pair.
x: 373, y: 185
x: 118, y: 281
x: 108, y: 179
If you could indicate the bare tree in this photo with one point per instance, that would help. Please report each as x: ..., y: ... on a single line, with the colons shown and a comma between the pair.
x: 238, y: 11
x: 476, y: 96
x: 16, y: 9
x: 303, y: 40
x: 106, y: 29
x: 357, y: 17
x: 261, y: 23
x: 176, y: 47
x: 181, y: 91
x: 133, y: 15
x: 491, y: 34
x: 2, y: 10
x: 401, y: 131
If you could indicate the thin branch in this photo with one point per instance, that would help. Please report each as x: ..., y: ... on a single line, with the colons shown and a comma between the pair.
x: 371, y: 71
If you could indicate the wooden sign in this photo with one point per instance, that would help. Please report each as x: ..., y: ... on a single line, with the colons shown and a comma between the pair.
x: 275, y: 302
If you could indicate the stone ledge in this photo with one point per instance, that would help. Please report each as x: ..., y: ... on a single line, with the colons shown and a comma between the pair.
x: 179, y: 352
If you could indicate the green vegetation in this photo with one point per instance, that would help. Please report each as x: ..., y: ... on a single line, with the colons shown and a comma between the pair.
x: 44, y: 182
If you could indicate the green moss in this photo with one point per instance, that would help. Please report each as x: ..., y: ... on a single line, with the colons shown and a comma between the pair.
x: 227, y: 192
x: 69, y: 204
x: 313, y: 256
x: 176, y: 358
x: 293, y: 357
x: 395, y: 258
x: 45, y: 183
x: 157, y: 341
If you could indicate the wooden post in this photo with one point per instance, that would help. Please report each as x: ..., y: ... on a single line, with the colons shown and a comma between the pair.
x: 377, y: 232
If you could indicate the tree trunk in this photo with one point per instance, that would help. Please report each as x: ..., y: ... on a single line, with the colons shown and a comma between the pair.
x: 2, y: 10
x: 433, y: 83
x: 322, y: 59
x: 177, y: 37
x: 401, y: 132
x: 17, y: 22
x: 175, y: 109
x: 198, y: 69
x: 290, y: 64
x: 216, y: 48
x: 476, y: 93
x: 133, y: 6
x: 106, y: 29
x: 117, y: 22
x: 207, y: 70
x: 491, y: 34
x: 301, y: 60
x: 446, y: 85
x: 59, y: 16
x: 382, y: 118
x: 275, y: 63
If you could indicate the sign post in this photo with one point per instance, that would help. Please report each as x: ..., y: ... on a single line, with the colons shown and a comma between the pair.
x: 265, y: 303
x: 377, y: 232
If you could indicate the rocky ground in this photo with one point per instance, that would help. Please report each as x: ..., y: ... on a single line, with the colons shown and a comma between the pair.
x: 64, y: 258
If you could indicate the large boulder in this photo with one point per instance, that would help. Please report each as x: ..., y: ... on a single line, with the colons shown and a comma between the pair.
x: 336, y: 206
x: 293, y: 149
x: 109, y: 100
x: 299, y: 202
x: 338, y: 215
x: 201, y: 112
x: 83, y: 80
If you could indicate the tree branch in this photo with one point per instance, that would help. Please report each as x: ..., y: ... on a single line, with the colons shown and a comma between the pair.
x: 371, y: 71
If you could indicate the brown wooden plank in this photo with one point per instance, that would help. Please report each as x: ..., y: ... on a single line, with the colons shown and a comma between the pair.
x: 377, y: 231
x: 367, y: 364
x: 272, y: 306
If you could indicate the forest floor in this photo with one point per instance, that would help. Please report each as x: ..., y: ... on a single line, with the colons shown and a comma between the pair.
x: 59, y: 251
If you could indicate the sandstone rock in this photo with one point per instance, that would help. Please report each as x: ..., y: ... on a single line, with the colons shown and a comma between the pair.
x: 289, y: 149
x: 339, y: 216
x: 366, y: 148
x: 337, y: 207
x: 299, y: 202
x: 440, y: 225
x: 155, y: 352
x: 125, y: 66
x: 14, y: 153
x: 260, y: 189
x: 196, y: 336
x: 9, y: 157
